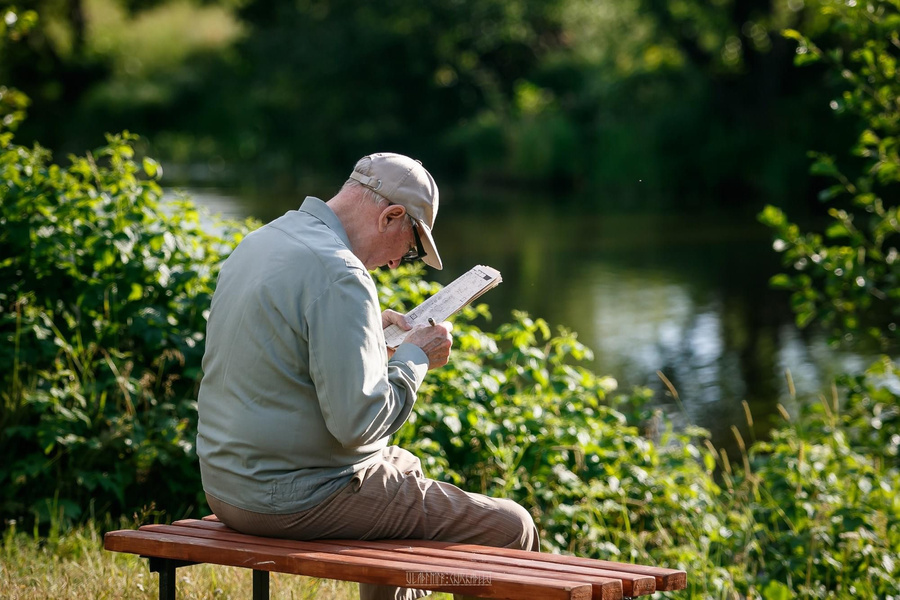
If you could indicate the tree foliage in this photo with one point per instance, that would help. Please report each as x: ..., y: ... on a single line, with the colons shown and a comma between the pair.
x: 635, y: 103
x: 14, y: 24
x: 846, y: 275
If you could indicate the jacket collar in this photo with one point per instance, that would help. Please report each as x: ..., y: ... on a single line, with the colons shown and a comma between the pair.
x: 321, y: 211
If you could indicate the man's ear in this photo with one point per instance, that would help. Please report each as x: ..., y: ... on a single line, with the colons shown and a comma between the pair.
x: 390, y: 213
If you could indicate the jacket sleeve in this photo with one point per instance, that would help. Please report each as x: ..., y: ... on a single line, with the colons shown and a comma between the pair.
x: 363, y: 397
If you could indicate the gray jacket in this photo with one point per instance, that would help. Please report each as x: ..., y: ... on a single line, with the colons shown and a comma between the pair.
x: 297, y: 393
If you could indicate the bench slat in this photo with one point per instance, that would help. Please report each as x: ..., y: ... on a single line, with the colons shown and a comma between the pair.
x: 666, y: 579
x: 627, y: 584
x: 605, y: 587
x: 315, y: 563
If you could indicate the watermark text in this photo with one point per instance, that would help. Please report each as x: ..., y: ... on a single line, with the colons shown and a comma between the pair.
x: 438, y: 578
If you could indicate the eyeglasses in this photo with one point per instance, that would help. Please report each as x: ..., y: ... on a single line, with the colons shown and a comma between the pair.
x: 418, y: 252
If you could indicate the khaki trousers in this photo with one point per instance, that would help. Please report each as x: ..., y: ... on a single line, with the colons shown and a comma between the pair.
x: 392, y: 499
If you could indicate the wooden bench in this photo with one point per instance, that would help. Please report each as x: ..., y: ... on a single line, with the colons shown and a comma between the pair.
x: 437, y: 566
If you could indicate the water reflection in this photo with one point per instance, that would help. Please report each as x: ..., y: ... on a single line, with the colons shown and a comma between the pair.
x: 687, y: 296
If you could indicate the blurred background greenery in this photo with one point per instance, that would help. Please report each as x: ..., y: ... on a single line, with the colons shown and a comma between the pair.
x: 608, y: 157
x: 669, y: 104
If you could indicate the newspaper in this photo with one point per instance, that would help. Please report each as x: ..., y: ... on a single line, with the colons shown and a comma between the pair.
x: 463, y: 290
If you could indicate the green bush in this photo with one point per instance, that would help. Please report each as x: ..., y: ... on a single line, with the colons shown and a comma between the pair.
x: 824, y: 495
x: 811, y: 513
x: 515, y: 415
x: 103, y: 294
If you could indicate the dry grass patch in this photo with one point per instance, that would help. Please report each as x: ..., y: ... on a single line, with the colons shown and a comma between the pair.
x: 75, y: 566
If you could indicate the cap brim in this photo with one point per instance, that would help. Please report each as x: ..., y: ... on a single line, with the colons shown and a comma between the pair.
x: 431, y: 258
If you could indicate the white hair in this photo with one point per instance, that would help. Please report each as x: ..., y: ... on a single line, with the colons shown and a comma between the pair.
x: 368, y: 194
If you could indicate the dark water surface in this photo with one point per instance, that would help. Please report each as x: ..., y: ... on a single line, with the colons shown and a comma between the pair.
x: 684, y: 295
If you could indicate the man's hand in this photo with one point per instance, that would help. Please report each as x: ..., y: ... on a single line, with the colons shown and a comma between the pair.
x: 392, y: 317
x: 434, y: 340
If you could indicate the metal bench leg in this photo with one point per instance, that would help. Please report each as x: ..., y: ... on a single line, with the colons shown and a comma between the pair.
x: 166, y: 569
x: 260, y: 585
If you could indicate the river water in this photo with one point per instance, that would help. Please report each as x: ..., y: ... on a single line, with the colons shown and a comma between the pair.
x: 685, y: 296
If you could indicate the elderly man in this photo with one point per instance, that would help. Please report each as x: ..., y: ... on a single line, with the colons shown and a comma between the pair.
x: 300, y: 394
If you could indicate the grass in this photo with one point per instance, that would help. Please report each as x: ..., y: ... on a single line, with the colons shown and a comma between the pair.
x: 74, y: 566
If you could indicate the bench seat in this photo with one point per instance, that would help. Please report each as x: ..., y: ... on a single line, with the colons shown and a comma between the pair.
x: 437, y: 566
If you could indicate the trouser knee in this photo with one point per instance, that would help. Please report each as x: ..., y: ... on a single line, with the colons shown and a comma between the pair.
x: 523, y: 530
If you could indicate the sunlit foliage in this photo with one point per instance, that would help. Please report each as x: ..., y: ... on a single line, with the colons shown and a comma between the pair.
x: 848, y: 275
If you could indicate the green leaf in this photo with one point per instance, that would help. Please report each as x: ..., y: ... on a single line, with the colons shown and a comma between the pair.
x: 805, y: 58
x: 772, y: 216
x: 831, y: 192
x: 781, y: 281
x: 824, y: 166
x: 837, y: 230
x: 137, y: 292
x: 887, y: 172
x: 869, y: 138
x: 152, y: 168
x: 804, y: 317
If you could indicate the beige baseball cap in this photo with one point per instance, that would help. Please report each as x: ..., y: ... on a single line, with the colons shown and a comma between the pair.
x: 404, y: 181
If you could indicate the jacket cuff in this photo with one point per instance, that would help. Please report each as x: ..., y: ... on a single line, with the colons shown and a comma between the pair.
x: 414, y: 359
